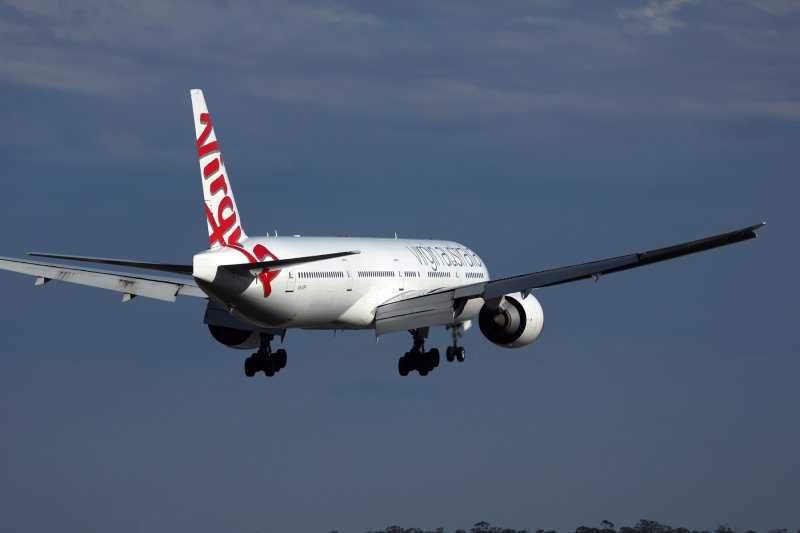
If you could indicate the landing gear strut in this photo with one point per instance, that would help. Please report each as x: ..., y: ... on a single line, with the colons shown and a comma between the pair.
x: 264, y: 359
x: 455, y: 351
x: 417, y: 358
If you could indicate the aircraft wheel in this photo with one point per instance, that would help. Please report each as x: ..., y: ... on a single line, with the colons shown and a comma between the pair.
x: 429, y: 362
x: 423, y: 370
x: 450, y: 354
x: 269, y: 366
x: 434, y: 355
x: 281, y: 358
x: 461, y: 354
x: 249, y: 367
x: 402, y: 366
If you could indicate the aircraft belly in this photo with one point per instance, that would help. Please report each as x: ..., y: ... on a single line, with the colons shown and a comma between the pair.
x: 311, y: 309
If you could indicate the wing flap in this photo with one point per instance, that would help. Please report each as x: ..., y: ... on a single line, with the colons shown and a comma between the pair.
x: 130, y: 284
x: 431, y: 309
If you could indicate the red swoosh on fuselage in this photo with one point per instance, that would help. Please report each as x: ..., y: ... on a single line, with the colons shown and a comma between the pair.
x: 260, y: 252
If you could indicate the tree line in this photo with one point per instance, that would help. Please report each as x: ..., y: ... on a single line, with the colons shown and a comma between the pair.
x: 643, y: 526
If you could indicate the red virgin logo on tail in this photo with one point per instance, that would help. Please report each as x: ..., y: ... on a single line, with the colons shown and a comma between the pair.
x: 220, y: 225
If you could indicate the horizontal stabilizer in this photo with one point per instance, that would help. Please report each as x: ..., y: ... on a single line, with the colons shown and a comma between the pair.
x: 161, y: 267
x: 254, y: 269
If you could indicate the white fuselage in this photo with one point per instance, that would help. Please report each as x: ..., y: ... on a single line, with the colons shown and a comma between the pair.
x: 341, y: 293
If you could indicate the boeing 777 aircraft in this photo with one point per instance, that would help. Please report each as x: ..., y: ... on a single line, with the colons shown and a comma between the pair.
x: 258, y: 287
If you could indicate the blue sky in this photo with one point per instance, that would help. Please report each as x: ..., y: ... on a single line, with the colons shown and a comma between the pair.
x: 537, y: 133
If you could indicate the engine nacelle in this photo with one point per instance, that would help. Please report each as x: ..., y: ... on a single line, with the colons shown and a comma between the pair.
x: 235, y: 338
x: 517, y: 323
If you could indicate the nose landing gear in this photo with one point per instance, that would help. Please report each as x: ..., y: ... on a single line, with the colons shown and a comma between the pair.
x: 455, y: 351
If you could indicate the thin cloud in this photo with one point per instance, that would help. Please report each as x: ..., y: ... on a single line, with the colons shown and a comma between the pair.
x: 52, y: 74
x: 789, y: 110
x: 774, y: 7
x: 656, y: 17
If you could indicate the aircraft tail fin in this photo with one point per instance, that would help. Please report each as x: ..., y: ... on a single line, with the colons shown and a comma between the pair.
x: 224, y: 222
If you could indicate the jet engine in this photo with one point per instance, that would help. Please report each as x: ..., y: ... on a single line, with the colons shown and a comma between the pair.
x: 235, y: 338
x: 517, y: 322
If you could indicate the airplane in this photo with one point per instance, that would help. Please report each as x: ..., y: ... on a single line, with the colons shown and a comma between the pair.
x: 257, y: 288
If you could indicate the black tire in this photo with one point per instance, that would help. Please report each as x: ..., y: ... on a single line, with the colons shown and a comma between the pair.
x: 281, y: 358
x: 427, y: 361
x: 450, y: 354
x: 435, y: 357
x: 423, y: 371
x: 402, y: 366
x: 269, y: 366
x: 461, y: 354
x: 249, y: 367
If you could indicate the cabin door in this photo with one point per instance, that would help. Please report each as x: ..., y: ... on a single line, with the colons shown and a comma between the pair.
x: 348, y: 275
x: 400, y: 279
x: 290, y: 279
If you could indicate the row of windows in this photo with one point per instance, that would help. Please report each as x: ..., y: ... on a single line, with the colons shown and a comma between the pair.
x: 384, y: 274
x: 376, y: 273
x: 320, y: 275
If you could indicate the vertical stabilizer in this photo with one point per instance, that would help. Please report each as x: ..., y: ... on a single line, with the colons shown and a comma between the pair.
x: 224, y: 223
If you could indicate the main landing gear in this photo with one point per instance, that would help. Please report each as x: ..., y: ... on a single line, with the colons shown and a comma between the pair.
x: 264, y: 359
x: 423, y: 362
x: 418, y: 359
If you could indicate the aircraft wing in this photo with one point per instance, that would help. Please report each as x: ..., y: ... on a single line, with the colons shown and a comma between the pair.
x: 439, y: 307
x: 130, y: 285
